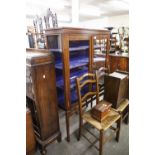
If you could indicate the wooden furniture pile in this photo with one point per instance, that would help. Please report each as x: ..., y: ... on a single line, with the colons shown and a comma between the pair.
x: 51, y: 80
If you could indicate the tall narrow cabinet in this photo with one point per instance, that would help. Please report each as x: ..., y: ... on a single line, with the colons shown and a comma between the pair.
x: 73, y: 50
x: 42, y: 97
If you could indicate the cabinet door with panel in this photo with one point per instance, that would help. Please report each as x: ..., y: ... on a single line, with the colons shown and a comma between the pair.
x: 118, y: 63
x: 113, y: 63
x: 123, y: 64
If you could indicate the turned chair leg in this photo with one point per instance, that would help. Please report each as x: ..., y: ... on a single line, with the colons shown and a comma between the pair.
x: 119, y: 129
x: 80, y: 128
x: 101, y: 142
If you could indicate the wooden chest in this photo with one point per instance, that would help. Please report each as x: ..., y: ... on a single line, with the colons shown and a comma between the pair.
x: 30, y: 137
x: 116, y: 88
x: 42, y: 97
x: 100, y: 111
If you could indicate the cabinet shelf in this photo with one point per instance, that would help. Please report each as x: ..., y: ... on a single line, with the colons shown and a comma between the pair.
x: 73, y: 76
x: 99, y: 59
x: 71, y: 49
x: 75, y: 63
x: 98, y: 46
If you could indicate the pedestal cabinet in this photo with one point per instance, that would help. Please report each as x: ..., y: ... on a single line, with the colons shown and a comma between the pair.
x: 73, y: 50
x: 42, y: 97
x: 116, y: 88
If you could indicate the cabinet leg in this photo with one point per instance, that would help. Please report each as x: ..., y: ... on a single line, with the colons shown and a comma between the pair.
x: 68, y: 126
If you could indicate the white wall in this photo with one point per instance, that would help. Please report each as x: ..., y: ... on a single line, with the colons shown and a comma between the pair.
x: 117, y: 21
x: 111, y: 21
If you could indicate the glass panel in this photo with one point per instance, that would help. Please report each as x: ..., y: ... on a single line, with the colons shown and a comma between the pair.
x: 79, y: 61
x: 55, y: 48
x: 100, y: 50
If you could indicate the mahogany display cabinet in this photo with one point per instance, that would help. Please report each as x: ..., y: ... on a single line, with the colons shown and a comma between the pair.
x: 73, y: 50
x: 42, y: 97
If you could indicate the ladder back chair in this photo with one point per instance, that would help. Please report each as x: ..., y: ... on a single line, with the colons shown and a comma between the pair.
x: 112, y: 118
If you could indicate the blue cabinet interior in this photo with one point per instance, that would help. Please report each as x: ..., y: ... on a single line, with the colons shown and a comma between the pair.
x: 78, y: 60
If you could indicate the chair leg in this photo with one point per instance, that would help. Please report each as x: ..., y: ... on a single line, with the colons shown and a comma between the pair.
x: 101, y: 142
x: 119, y: 129
x: 59, y: 138
x: 68, y: 126
x: 80, y: 128
x: 126, y: 120
x: 43, y: 150
x: 91, y: 102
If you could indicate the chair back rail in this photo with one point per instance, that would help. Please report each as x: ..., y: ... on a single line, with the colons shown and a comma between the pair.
x: 87, y: 79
